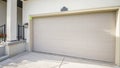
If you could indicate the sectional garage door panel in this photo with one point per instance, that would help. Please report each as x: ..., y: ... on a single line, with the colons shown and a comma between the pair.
x: 89, y: 36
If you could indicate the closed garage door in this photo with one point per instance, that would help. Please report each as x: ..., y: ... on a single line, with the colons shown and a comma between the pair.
x: 89, y: 36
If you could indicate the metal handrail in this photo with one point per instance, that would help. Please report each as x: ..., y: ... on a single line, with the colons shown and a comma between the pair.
x: 3, y: 33
x: 20, y: 35
x: 21, y: 32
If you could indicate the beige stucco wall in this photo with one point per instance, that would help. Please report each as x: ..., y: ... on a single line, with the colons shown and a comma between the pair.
x: 19, y: 15
x: 3, y: 13
x: 31, y: 7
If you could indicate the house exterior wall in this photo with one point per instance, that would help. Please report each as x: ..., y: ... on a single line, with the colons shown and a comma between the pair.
x: 3, y: 7
x: 19, y: 15
x: 2, y: 12
x: 31, y: 7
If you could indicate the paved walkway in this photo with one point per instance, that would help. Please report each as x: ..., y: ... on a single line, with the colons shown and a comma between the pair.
x: 39, y: 60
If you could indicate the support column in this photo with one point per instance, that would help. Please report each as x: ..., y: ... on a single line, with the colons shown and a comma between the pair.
x: 11, y: 20
x: 117, y: 60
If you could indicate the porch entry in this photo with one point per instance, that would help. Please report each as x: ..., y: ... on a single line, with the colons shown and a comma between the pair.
x: 90, y: 36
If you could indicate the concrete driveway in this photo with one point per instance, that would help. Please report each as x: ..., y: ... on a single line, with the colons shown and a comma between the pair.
x: 40, y: 60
